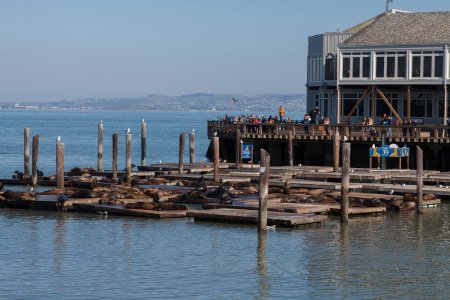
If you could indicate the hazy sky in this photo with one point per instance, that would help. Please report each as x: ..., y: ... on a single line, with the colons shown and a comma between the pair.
x: 60, y: 50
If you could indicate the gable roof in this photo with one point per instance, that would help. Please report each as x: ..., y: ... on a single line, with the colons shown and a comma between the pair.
x: 404, y: 28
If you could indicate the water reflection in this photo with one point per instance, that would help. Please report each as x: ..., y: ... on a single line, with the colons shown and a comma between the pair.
x: 262, y: 266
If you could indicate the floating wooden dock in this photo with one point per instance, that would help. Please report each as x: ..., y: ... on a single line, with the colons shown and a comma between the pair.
x: 244, y: 216
x: 297, y: 208
x: 121, y: 211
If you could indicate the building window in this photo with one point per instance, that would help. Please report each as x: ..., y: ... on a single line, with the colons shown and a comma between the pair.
x: 427, y: 64
x: 330, y: 67
x: 381, y: 106
x: 391, y: 64
x: 349, y: 100
x: 421, y: 105
x: 356, y: 65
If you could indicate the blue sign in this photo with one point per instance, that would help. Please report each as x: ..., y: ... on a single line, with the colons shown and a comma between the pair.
x: 386, y: 151
x: 246, y: 151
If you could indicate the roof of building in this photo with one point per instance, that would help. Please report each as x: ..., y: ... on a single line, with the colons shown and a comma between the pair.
x: 404, y: 28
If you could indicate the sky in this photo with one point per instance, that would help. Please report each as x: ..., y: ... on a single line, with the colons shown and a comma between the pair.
x: 64, y: 50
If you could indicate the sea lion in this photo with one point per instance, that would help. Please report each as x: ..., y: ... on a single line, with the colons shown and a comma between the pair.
x: 84, y: 194
x: 428, y: 197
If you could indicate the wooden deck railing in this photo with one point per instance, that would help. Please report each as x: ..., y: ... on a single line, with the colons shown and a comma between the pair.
x: 428, y: 133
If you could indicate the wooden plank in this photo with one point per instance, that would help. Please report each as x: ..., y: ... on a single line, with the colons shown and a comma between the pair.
x: 251, y: 217
x: 297, y: 208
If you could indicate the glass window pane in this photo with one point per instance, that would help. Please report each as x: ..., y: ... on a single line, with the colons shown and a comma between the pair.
x: 346, y: 67
x: 417, y: 108
x: 438, y: 66
x: 390, y: 68
x: 401, y: 66
x: 429, y: 108
x: 416, y: 66
x: 330, y: 68
x: 427, y: 66
x: 380, y: 66
x: 366, y: 66
x: 356, y: 66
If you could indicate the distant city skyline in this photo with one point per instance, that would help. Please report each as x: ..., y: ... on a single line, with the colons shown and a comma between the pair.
x: 62, y: 50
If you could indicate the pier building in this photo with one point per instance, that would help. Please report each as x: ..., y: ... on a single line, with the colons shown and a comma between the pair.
x: 395, y: 64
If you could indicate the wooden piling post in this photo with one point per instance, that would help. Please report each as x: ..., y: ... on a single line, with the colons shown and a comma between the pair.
x: 345, y: 183
x: 419, y: 180
x: 181, y: 153
x: 128, y: 157
x: 192, y: 147
x: 216, y: 159
x: 59, y: 164
x: 100, y: 147
x: 336, y: 145
x: 238, y: 147
x: 263, y: 190
x: 115, y: 143
x: 290, y: 150
x: 26, y: 151
x: 34, y: 164
x: 143, y: 143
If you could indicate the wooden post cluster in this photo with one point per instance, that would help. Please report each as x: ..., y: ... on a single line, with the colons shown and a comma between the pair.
x: 100, y: 147
x: 143, y: 143
x: 216, y: 159
x: 26, y: 151
x: 419, y: 180
x: 336, y: 145
x: 181, y: 153
x: 128, y: 157
x: 115, y: 143
x: 34, y: 165
x: 263, y: 190
x: 345, y: 183
x: 192, y: 147
x: 59, y: 164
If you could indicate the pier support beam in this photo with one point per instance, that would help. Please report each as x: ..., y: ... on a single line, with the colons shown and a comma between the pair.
x: 26, y: 151
x: 419, y: 180
x: 216, y: 159
x: 290, y: 149
x: 128, y: 158
x: 345, y: 183
x: 238, y: 148
x: 192, y: 147
x: 336, y: 145
x: 59, y: 165
x: 115, y: 143
x: 100, y: 147
x: 263, y: 190
x: 34, y: 165
x: 181, y: 153
x: 143, y: 143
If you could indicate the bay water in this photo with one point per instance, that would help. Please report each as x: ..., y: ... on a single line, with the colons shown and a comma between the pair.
x: 48, y: 255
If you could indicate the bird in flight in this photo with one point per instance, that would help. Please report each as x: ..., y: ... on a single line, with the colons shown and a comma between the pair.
x: 235, y: 100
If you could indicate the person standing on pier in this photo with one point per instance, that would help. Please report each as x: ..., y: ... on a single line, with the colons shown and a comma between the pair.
x: 281, y: 113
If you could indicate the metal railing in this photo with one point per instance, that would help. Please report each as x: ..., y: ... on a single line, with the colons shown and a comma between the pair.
x: 227, y: 130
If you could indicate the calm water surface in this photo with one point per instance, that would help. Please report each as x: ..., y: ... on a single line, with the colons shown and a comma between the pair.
x: 79, y: 256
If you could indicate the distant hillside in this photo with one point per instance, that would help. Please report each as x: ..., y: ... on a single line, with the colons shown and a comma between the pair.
x: 197, y: 102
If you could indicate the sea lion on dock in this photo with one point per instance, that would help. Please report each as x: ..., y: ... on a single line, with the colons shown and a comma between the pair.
x: 84, y: 194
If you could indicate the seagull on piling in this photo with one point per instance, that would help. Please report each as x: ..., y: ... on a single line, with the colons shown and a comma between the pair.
x: 128, y: 131
x: 58, y: 139
x: 31, y: 189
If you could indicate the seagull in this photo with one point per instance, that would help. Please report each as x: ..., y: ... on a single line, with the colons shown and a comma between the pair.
x: 101, y: 121
x: 58, y: 139
x: 193, y: 131
x: 105, y: 213
x: 235, y: 100
x: 128, y: 131
x: 215, y: 133
x: 391, y: 192
x: 31, y: 189
x: 272, y: 227
x: 143, y: 121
